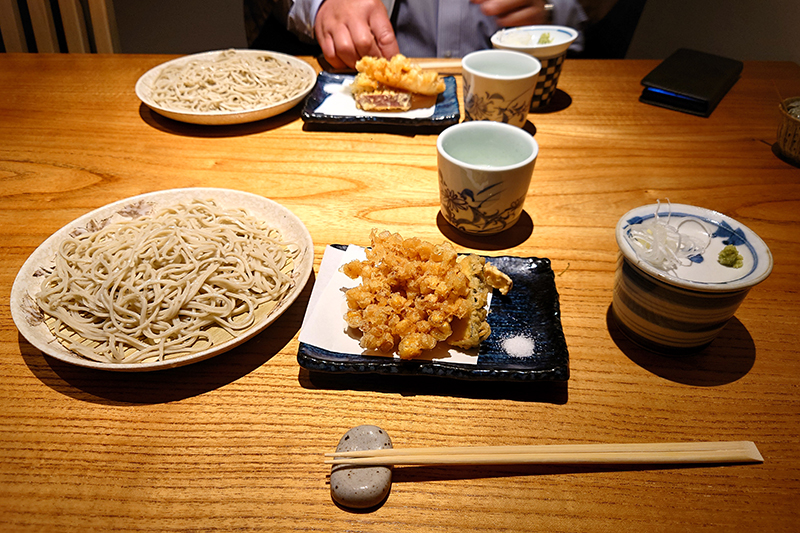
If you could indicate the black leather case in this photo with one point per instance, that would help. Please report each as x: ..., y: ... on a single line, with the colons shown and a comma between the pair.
x: 690, y: 81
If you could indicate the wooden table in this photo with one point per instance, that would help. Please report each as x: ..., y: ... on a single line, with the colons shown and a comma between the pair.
x: 235, y: 443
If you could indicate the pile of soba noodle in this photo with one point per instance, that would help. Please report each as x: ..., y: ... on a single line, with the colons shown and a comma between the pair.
x: 229, y: 82
x: 151, y: 288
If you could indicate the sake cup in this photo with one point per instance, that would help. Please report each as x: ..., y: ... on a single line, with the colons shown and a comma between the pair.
x: 485, y: 169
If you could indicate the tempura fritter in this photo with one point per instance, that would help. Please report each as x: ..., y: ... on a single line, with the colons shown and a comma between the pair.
x: 414, y: 294
x: 400, y: 73
x: 393, y: 85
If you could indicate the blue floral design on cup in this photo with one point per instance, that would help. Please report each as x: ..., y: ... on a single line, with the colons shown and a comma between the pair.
x: 466, y: 210
x: 494, y: 107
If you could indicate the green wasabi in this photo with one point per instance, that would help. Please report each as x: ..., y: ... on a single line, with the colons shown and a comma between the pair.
x: 730, y: 257
x: 545, y: 39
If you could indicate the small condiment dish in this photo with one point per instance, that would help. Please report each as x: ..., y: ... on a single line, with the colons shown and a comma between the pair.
x: 549, y: 45
x: 789, y: 129
x: 681, y: 311
x: 527, y: 39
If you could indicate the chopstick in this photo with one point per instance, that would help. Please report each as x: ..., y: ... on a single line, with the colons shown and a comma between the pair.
x: 452, y: 65
x: 627, y: 453
x: 438, y: 62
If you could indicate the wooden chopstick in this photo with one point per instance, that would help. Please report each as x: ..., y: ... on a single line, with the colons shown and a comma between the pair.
x: 438, y: 63
x: 628, y: 453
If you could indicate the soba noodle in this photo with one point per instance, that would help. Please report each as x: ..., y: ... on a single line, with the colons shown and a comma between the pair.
x: 230, y: 82
x: 151, y: 288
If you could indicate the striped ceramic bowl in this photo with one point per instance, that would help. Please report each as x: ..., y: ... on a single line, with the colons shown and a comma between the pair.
x: 682, y: 310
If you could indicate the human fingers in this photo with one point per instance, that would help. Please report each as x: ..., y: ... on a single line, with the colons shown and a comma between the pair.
x: 343, y: 42
x: 371, y: 36
x: 350, y: 29
x: 384, y: 35
x: 514, y: 12
x: 364, y: 40
x: 329, y: 51
x: 522, y: 17
x: 345, y: 47
x: 324, y: 28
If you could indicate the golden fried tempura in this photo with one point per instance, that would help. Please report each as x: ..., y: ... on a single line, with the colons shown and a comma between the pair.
x: 364, y: 84
x: 414, y: 294
x: 400, y: 73
x: 497, y: 279
x: 373, y: 96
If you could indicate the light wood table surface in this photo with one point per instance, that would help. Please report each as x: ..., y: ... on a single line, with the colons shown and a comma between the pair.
x: 235, y: 443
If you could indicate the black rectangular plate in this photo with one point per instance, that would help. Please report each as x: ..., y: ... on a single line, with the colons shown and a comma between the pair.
x: 445, y: 113
x: 530, y: 310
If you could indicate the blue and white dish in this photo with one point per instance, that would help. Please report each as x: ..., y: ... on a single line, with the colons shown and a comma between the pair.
x: 551, y: 54
x: 703, y: 273
x: 526, y: 39
x: 526, y: 344
x: 683, y: 310
x: 331, y: 103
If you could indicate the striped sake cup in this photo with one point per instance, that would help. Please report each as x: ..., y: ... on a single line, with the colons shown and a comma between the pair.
x: 681, y: 311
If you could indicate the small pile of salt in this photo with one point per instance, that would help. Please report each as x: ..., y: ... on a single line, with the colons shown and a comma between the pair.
x: 518, y: 346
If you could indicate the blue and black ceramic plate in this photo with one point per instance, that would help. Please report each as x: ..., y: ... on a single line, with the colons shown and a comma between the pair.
x: 526, y: 344
x: 330, y: 103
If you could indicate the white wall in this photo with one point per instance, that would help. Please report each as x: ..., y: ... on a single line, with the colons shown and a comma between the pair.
x: 740, y: 29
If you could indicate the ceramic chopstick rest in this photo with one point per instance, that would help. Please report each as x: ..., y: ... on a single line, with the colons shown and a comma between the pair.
x: 361, y: 487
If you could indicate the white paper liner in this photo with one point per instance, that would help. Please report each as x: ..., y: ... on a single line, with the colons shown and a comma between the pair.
x: 324, y: 325
x: 340, y: 103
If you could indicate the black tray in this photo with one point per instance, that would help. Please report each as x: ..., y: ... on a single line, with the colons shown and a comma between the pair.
x: 445, y: 113
x: 530, y: 310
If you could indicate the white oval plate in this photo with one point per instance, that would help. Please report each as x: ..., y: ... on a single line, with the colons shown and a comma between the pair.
x: 708, y: 274
x: 28, y: 317
x: 217, y: 118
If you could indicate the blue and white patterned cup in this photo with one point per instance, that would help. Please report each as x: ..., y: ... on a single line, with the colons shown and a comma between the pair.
x: 548, y: 44
x: 548, y: 81
x: 682, y: 310
x: 485, y: 170
x: 499, y: 85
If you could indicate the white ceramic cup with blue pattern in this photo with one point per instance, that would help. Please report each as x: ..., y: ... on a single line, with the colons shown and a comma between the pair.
x: 485, y: 169
x: 499, y: 85
x: 682, y: 310
x: 548, y: 44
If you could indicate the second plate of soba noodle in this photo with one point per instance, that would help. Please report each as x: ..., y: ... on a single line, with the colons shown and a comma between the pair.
x: 226, y: 86
x: 162, y: 279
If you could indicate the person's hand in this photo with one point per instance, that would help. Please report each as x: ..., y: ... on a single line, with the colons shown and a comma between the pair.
x: 509, y: 13
x: 348, y: 30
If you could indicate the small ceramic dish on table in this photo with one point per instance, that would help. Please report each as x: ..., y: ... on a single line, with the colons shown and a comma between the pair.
x: 682, y: 310
x: 548, y: 44
x: 789, y: 129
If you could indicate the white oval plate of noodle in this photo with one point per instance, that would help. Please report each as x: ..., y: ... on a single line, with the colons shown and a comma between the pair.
x: 292, y: 242
x: 226, y: 86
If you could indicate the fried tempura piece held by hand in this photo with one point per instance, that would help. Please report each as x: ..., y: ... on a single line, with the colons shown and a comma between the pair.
x: 400, y: 73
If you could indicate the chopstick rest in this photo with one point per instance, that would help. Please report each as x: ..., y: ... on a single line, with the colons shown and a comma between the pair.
x: 361, y: 487
x: 572, y: 454
x: 361, y: 475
